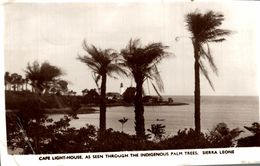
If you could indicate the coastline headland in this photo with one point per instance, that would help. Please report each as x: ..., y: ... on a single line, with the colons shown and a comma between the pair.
x: 58, y: 104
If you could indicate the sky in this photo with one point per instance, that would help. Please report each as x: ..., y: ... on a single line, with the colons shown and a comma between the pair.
x: 54, y: 32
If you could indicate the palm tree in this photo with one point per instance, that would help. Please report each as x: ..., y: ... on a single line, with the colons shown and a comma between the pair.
x: 14, y: 81
x: 103, y: 64
x: 123, y: 121
x: 42, y: 76
x: 204, y: 29
x: 142, y: 61
x: 8, y: 80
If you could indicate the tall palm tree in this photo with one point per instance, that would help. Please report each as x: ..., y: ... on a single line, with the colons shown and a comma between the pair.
x: 204, y: 29
x: 142, y: 61
x: 102, y: 63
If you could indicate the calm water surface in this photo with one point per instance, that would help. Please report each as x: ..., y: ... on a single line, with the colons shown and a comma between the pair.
x: 234, y: 111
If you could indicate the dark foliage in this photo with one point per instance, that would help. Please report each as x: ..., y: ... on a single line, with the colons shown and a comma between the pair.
x: 158, y: 130
x: 186, y: 139
x: 43, y: 136
x: 16, y: 100
x: 119, y: 141
x: 221, y: 136
x: 42, y: 75
x: 253, y: 140
x: 91, y: 97
x: 129, y: 95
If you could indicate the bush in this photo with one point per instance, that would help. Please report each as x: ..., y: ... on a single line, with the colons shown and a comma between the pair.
x: 185, y: 139
x: 70, y: 140
x: 253, y: 140
x: 129, y: 95
x: 158, y: 131
x: 30, y: 128
x: 221, y: 136
x: 119, y: 141
x: 45, y: 137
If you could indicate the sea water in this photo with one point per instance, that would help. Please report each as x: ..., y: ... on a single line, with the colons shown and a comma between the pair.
x: 235, y: 111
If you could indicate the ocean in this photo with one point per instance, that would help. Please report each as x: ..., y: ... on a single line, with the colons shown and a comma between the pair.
x: 235, y: 111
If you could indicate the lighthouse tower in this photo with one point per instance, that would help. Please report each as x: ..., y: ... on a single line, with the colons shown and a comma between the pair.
x: 122, y: 89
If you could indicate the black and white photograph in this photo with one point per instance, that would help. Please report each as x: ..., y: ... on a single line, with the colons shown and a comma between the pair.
x: 96, y: 77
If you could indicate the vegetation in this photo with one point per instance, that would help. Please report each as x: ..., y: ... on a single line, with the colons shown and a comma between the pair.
x: 91, y: 97
x: 103, y: 64
x: 204, y: 29
x: 43, y: 76
x: 123, y: 121
x: 129, y: 95
x: 15, y: 82
x: 253, y: 140
x: 142, y: 61
x: 35, y: 133
x: 221, y: 136
x: 158, y: 130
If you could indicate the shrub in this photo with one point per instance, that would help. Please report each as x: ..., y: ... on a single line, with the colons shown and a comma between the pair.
x: 129, y: 94
x: 221, y: 136
x: 253, y: 140
x: 119, y: 141
x: 47, y: 137
x: 185, y: 139
x: 158, y: 130
x: 30, y: 128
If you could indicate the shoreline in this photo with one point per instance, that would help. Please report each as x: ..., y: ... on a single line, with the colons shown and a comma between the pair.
x: 88, y: 109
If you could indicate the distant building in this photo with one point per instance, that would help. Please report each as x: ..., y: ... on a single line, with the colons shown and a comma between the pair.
x: 113, y: 96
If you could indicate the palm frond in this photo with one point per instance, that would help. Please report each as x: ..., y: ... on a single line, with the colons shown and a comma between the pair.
x: 154, y: 87
x: 91, y: 63
x: 205, y: 73
x: 204, y: 26
x: 41, y: 76
x: 209, y: 58
x: 157, y: 77
x: 142, y: 60
x: 116, y: 68
x: 101, y: 62
x: 215, y: 35
x: 143, y: 92
x: 96, y: 77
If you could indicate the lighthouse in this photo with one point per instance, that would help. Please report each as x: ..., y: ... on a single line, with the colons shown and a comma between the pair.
x: 121, y: 88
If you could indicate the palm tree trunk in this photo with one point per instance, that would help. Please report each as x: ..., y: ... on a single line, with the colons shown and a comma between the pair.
x: 102, y: 106
x: 139, y: 111
x: 197, y: 88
